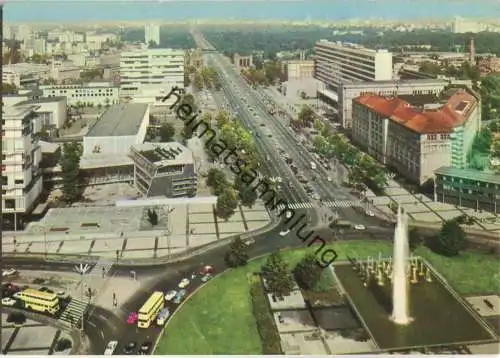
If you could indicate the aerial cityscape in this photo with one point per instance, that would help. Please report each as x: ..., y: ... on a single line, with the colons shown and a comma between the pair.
x: 246, y: 177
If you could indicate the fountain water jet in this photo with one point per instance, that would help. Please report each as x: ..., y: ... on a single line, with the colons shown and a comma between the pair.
x: 400, y: 288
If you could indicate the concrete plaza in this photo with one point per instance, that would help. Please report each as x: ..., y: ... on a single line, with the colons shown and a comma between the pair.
x: 125, y: 231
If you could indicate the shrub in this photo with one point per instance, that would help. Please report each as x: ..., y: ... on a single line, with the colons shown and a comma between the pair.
x: 269, y: 337
x: 16, y: 318
x: 62, y: 345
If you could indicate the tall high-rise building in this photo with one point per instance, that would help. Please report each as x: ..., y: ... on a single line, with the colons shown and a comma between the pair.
x: 21, y: 152
x: 147, y: 75
x: 152, y: 34
x: 337, y: 63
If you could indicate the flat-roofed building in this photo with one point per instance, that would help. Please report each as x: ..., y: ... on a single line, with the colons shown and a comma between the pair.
x: 414, y: 139
x: 120, y: 127
x: 299, y: 69
x: 95, y: 93
x: 164, y: 169
x: 24, y: 74
x: 51, y: 111
x: 468, y: 187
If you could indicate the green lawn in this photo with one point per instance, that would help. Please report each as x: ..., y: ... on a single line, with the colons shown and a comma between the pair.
x: 218, y: 319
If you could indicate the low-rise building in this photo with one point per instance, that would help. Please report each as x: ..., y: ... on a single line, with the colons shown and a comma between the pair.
x: 468, y: 187
x: 120, y: 127
x: 21, y: 157
x: 416, y: 139
x: 93, y: 94
x: 164, y: 169
x: 24, y: 74
x: 52, y: 111
x: 299, y: 69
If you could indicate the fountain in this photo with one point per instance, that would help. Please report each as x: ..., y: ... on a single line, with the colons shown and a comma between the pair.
x: 399, y: 271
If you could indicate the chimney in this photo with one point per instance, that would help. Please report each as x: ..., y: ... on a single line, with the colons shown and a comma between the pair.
x: 472, y: 52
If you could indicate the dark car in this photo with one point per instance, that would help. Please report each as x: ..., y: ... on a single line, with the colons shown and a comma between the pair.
x: 130, y: 348
x: 145, y: 348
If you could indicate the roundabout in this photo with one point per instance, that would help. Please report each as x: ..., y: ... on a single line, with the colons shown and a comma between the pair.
x: 218, y: 318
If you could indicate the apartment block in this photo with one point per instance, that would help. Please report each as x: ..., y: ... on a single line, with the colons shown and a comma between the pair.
x: 94, y: 93
x: 21, y: 157
x: 415, y: 139
x: 164, y: 169
x: 148, y: 75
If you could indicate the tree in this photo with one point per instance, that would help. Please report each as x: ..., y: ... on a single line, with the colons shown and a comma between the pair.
x: 307, y: 273
x: 227, y: 202
x: 450, y: 240
x: 70, y: 171
x: 237, y: 254
x: 306, y: 116
x: 247, y: 195
x: 277, y: 275
x: 216, y: 179
x: 414, y: 238
x: 152, y: 217
x: 167, y: 132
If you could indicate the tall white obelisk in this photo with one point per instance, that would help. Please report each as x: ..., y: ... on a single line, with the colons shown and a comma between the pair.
x: 400, y: 263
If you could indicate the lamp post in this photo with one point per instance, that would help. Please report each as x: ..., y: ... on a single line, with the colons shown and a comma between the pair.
x: 45, y: 241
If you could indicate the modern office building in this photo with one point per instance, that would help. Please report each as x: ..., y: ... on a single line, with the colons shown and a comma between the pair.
x: 164, y: 169
x: 148, y: 75
x: 415, y: 139
x: 21, y: 157
x: 94, y: 94
x: 120, y: 127
x: 152, y: 34
x: 467, y: 187
x: 341, y: 102
x: 337, y: 62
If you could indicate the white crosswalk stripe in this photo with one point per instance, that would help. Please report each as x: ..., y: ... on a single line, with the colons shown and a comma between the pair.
x: 74, y: 311
x: 101, y: 268
x: 329, y: 204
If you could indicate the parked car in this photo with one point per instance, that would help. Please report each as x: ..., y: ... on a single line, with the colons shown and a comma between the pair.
x: 206, y: 278
x: 145, y: 348
x: 110, y: 348
x: 359, y: 227
x: 180, y: 296
x: 130, y: 348
x: 9, y: 272
x: 184, y: 283
x: 170, y: 295
x: 8, y: 302
x: 132, y: 317
x: 284, y: 232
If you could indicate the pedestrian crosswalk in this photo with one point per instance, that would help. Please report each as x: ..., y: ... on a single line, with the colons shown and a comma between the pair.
x: 329, y: 204
x: 101, y: 268
x: 74, y: 311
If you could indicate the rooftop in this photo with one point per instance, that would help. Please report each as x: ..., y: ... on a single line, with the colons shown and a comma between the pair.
x: 401, y: 82
x: 420, y: 119
x: 41, y: 100
x: 119, y: 120
x: 25, y: 68
x: 469, y: 174
x: 161, y: 154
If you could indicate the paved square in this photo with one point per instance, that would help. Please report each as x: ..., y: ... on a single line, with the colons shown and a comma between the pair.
x: 196, y: 218
x: 200, y: 208
x: 103, y: 245
x: 231, y: 228
x: 481, y: 306
x: 437, y: 206
x: 412, y: 208
x: 198, y: 240
x: 256, y: 215
x: 34, y: 337
x: 142, y: 243
x: 207, y: 228
x: 450, y: 214
x: 75, y: 247
x: 395, y: 191
x: 405, y: 199
x: 428, y: 217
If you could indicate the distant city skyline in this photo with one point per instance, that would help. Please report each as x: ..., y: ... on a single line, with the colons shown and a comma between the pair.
x: 181, y: 10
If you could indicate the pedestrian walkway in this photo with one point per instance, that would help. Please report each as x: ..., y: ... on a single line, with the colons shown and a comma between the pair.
x: 74, y: 311
x: 101, y: 268
x: 328, y: 204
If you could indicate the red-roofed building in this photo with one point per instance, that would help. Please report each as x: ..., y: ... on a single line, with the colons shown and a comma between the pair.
x: 416, y: 140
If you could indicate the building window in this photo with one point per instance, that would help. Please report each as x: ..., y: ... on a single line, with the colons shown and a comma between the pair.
x: 10, y: 204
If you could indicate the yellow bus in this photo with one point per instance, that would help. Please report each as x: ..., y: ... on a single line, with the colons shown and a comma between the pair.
x: 38, y: 300
x: 150, y: 309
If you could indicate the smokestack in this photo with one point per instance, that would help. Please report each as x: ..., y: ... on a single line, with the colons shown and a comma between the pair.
x: 472, y: 52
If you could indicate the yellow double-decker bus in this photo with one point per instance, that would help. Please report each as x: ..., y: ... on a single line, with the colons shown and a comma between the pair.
x: 150, y: 309
x: 38, y: 300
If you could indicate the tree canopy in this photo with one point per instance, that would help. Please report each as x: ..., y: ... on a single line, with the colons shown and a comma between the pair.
x: 450, y: 240
x: 277, y: 275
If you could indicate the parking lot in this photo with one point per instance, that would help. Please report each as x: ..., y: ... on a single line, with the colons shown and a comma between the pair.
x: 30, y: 338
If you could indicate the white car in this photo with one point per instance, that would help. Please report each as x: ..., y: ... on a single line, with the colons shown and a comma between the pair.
x: 8, y: 301
x: 110, y: 348
x: 249, y: 242
x: 370, y: 213
x: 284, y: 232
x: 359, y: 227
x: 316, y: 196
x: 288, y: 214
x: 184, y: 283
x: 169, y: 296
x: 9, y: 272
x: 329, y: 178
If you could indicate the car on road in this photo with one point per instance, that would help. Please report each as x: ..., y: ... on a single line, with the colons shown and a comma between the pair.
x: 145, y: 348
x: 62, y: 294
x: 316, y: 196
x: 184, y: 283
x: 288, y: 214
x: 9, y: 272
x: 284, y: 232
x: 359, y: 227
x: 132, y: 317
x: 170, y: 295
x: 9, y: 302
x: 206, y: 278
x: 370, y: 213
x: 110, y: 348
x: 328, y: 178
x: 180, y: 296
x: 130, y: 348
x: 249, y: 242
x: 207, y: 269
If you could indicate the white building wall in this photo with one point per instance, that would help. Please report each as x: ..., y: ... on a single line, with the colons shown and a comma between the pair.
x: 152, y: 33
x: 109, y: 145
x: 95, y: 94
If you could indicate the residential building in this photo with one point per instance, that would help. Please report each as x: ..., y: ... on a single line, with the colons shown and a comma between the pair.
x: 121, y: 126
x: 24, y: 74
x: 164, y: 169
x: 468, y: 188
x: 93, y: 94
x: 337, y: 62
x: 152, y: 34
x: 462, y: 26
x: 146, y: 76
x: 65, y: 72
x: 415, y: 139
x: 21, y: 156
x: 299, y: 69
x: 341, y: 102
